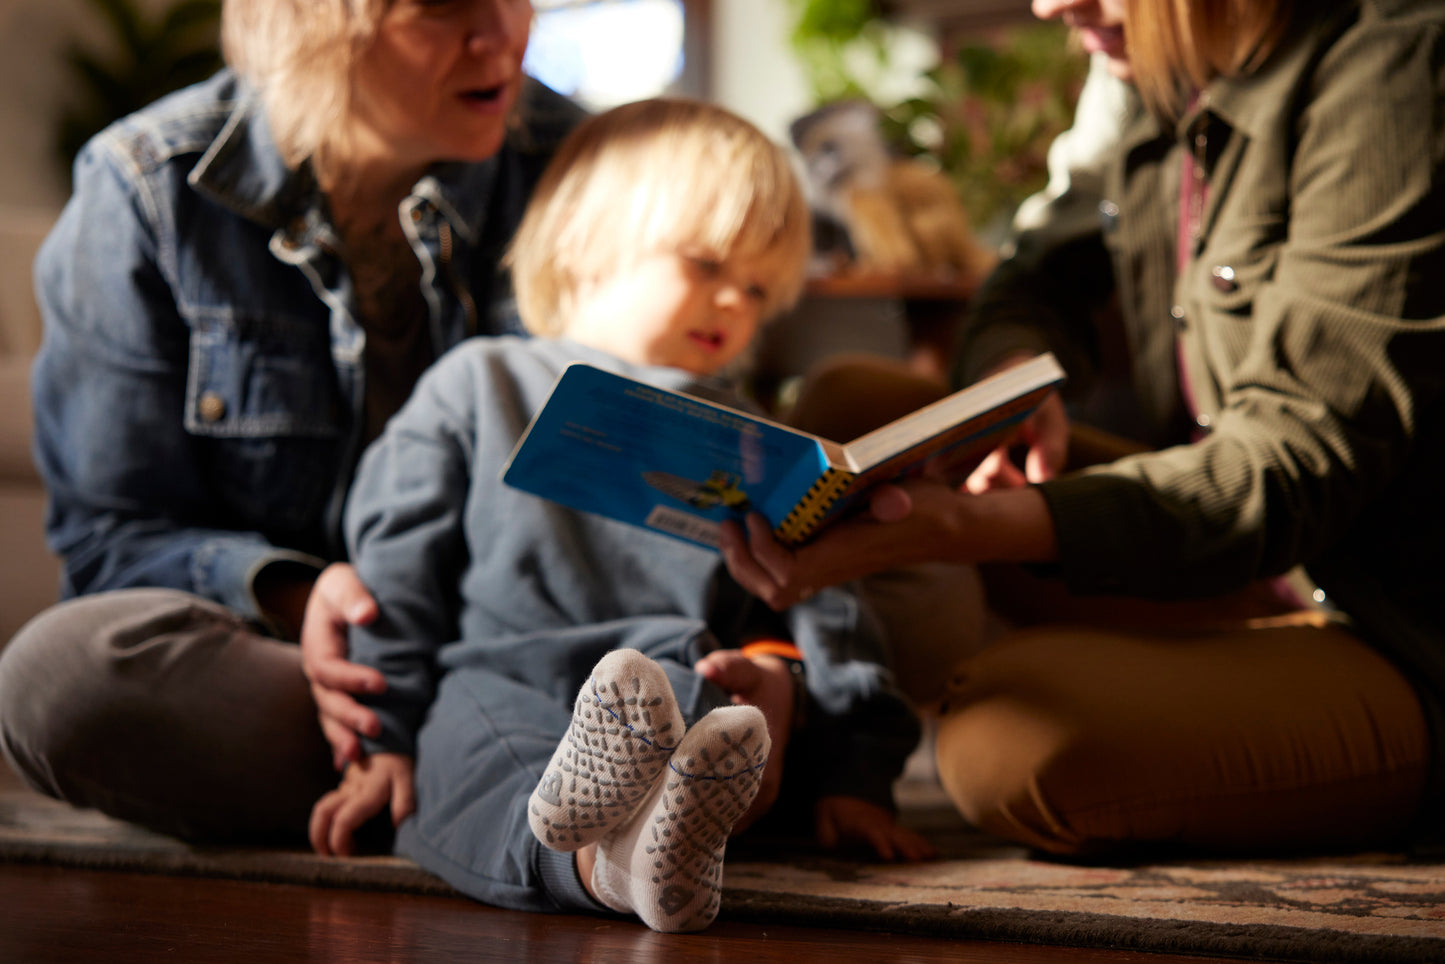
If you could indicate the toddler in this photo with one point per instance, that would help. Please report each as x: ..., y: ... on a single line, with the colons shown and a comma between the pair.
x: 571, y: 722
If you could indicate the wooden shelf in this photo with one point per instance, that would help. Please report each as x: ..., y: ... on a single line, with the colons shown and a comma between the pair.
x: 888, y: 286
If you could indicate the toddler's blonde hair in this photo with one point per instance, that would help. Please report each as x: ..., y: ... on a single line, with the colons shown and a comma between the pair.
x: 657, y: 175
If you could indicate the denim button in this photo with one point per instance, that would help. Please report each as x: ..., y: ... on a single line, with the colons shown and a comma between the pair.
x: 212, y: 407
x: 1223, y: 279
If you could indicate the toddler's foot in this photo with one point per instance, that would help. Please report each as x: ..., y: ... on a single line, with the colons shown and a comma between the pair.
x: 625, y: 726
x: 666, y: 865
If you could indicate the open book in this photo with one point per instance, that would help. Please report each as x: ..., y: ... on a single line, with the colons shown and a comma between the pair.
x: 610, y: 444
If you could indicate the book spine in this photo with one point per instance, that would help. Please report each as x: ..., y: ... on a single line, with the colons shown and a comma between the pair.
x: 798, y: 524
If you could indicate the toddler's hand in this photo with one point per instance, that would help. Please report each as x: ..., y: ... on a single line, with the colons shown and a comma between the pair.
x: 368, y: 785
x: 764, y: 681
x: 853, y: 819
x: 767, y: 683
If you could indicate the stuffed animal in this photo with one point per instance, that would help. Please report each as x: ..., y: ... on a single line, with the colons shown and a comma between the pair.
x: 878, y: 213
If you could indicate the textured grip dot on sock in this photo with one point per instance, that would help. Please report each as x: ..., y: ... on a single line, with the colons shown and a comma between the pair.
x: 666, y: 865
x: 625, y: 725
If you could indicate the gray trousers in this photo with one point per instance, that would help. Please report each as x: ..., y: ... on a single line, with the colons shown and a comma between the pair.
x: 166, y: 710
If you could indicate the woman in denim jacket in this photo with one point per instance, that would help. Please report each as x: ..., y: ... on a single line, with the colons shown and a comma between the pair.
x: 246, y: 283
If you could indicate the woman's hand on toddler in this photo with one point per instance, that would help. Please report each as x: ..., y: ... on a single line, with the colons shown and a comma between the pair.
x: 337, y: 601
x: 368, y: 785
x: 852, y: 819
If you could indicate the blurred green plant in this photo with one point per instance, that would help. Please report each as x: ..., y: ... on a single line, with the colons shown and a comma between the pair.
x: 150, y: 53
x: 825, y: 32
x: 990, y: 113
x: 985, y: 115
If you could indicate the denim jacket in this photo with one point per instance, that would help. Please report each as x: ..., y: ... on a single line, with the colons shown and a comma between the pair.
x: 198, y: 393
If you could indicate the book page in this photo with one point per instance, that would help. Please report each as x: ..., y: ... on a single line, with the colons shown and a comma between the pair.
x: 964, y: 427
x: 962, y: 415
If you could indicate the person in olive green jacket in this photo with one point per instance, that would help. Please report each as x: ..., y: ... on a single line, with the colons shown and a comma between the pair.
x: 1272, y: 238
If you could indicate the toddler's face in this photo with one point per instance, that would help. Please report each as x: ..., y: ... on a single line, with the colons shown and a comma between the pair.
x: 686, y: 309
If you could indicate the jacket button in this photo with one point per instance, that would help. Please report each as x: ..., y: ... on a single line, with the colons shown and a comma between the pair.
x: 1177, y: 313
x: 1108, y: 215
x: 1224, y: 279
x: 212, y: 407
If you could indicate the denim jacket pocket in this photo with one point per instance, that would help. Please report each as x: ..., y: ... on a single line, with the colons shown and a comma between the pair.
x: 263, y: 403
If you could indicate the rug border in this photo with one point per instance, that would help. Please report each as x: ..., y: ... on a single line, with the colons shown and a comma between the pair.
x: 1083, y: 929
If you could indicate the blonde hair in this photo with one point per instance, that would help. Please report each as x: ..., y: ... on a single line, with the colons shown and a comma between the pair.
x: 1178, y: 46
x: 651, y: 176
x: 300, y: 55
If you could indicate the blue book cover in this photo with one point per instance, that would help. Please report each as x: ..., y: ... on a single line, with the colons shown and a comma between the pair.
x: 667, y: 461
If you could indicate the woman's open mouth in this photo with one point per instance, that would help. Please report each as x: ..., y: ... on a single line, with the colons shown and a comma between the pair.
x: 485, y: 98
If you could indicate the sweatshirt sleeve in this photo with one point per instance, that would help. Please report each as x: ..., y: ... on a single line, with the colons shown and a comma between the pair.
x: 404, y: 531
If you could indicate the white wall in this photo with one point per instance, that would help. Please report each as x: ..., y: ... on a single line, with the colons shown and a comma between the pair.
x: 753, y: 70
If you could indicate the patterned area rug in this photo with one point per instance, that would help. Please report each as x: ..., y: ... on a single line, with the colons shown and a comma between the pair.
x: 1351, y: 908
x: 1363, y: 907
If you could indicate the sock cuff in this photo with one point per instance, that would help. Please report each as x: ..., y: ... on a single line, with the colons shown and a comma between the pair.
x: 558, y: 872
x: 602, y: 881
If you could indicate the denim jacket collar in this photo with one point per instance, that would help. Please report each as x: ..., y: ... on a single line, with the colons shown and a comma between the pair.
x: 243, y: 170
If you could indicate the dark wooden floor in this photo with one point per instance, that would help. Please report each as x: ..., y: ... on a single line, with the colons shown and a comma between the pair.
x: 57, y: 915
x: 61, y: 916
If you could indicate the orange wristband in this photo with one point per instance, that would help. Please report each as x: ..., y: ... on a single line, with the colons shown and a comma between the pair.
x: 772, y: 647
